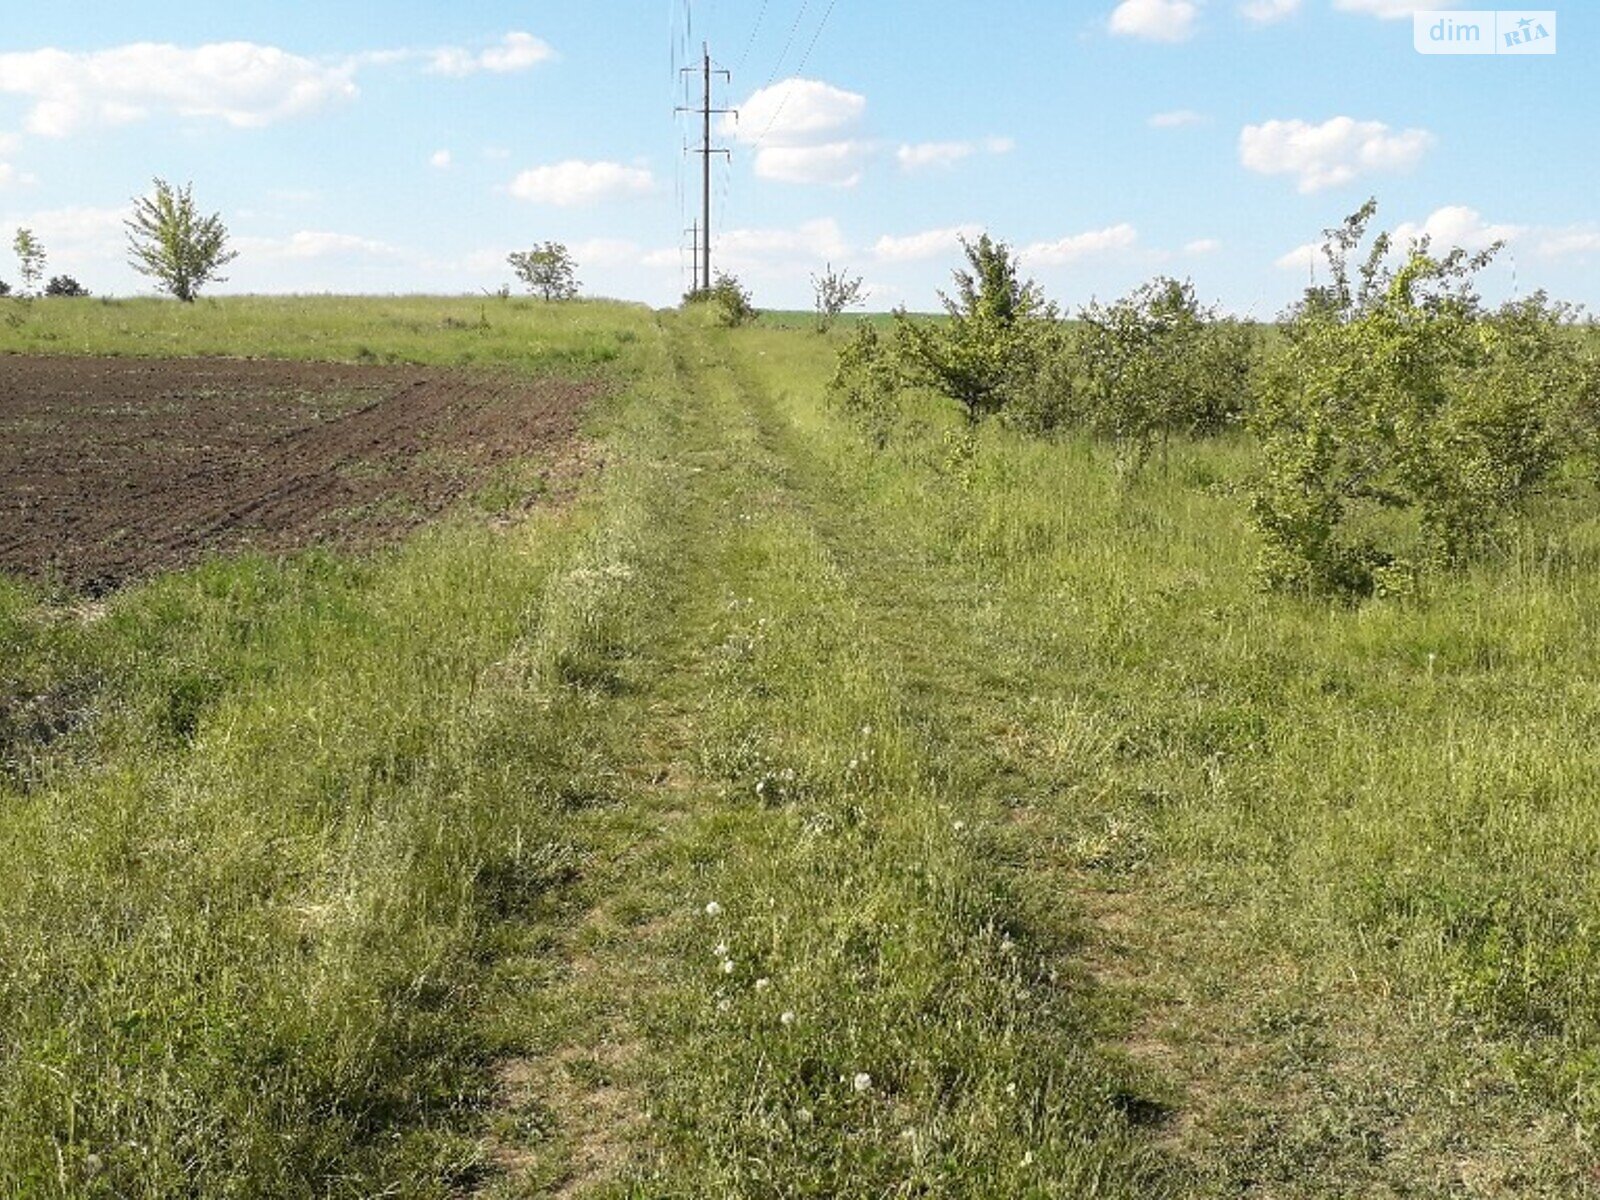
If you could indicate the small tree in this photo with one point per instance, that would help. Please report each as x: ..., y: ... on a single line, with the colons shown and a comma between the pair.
x: 31, y: 257
x: 727, y: 300
x: 172, y: 243
x: 65, y: 285
x: 548, y: 270
x: 835, y: 292
x: 993, y: 339
x: 1158, y: 362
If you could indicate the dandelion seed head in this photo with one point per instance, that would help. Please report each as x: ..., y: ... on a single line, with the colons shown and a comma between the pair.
x: 862, y: 1081
x: 713, y: 909
x: 787, y: 1018
x: 727, y: 966
x: 763, y: 984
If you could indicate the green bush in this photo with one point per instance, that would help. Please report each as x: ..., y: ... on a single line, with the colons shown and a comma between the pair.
x: 866, y: 384
x: 1156, y: 363
x: 993, y: 341
x: 1404, y: 427
x: 726, y: 300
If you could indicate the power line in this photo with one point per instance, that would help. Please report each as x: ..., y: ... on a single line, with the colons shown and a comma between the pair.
x: 705, y: 111
x: 754, y: 29
x: 788, y: 42
x: 804, y: 59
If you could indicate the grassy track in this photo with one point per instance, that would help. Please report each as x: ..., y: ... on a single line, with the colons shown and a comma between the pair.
x: 786, y: 819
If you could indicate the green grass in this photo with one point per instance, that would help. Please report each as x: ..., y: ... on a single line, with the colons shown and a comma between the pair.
x: 483, y: 331
x: 601, y: 852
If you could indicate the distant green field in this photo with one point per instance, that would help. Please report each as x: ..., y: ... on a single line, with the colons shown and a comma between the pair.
x: 785, y: 817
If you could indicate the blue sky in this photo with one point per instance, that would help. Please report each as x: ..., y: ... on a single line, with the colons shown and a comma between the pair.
x: 407, y: 146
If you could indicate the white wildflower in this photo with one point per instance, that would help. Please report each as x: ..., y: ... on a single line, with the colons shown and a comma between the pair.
x: 863, y: 1081
x: 727, y: 966
x: 763, y: 984
x: 787, y: 1018
x: 713, y: 909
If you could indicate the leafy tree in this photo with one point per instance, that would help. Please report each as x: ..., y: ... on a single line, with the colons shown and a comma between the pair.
x: 31, y: 257
x: 65, y: 285
x: 548, y: 270
x: 993, y: 339
x: 835, y: 292
x: 170, y: 241
x: 727, y: 300
x: 1157, y: 363
x: 1404, y: 426
x: 866, y: 384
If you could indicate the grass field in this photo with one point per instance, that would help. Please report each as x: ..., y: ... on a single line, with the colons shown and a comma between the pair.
x: 779, y: 817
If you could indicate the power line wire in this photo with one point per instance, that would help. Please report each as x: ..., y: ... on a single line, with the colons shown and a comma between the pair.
x: 750, y: 43
x: 804, y: 59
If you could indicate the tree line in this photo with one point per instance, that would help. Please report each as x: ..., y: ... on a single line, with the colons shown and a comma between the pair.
x: 1402, y: 426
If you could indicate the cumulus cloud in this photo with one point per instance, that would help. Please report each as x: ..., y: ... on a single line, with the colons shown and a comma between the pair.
x: 1456, y: 227
x: 1177, y: 119
x: 604, y: 252
x: 1203, y: 246
x: 1078, y: 246
x: 837, y: 164
x: 1332, y: 153
x: 930, y: 243
x: 923, y: 155
x: 799, y: 128
x: 241, y: 83
x: 79, y: 229
x: 440, y: 160
x: 576, y: 182
x: 1569, y: 243
x: 1155, y: 20
x: 314, y: 244
x: 1452, y: 227
x: 802, y: 246
x: 1265, y: 12
x: 517, y: 51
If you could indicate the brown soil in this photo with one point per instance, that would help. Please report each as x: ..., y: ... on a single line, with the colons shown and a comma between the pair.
x: 112, y: 469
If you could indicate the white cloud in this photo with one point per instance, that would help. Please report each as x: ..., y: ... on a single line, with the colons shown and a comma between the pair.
x: 79, y: 229
x: 604, y: 252
x: 1569, y: 243
x: 805, y: 246
x: 923, y: 155
x: 1176, y: 119
x: 576, y: 182
x: 796, y: 127
x: 837, y: 164
x: 1455, y: 226
x: 1078, y: 246
x: 1265, y: 12
x: 1155, y: 20
x: 930, y: 243
x: 933, y: 154
x: 1332, y: 153
x: 795, y: 112
x: 241, y: 83
x: 440, y: 160
x: 517, y: 51
x: 1452, y: 227
x: 1389, y: 10
x: 1203, y: 246
x: 313, y: 244
x: 1301, y: 258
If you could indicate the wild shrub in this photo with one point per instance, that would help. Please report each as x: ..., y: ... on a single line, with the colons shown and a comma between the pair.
x: 1404, y: 426
x: 65, y: 285
x: 866, y: 383
x: 993, y: 339
x: 835, y: 291
x: 1158, y: 363
x: 726, y: 300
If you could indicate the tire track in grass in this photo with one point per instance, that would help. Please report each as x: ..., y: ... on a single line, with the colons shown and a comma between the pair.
x: 847, y: 999
x: 1292, y: 1084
